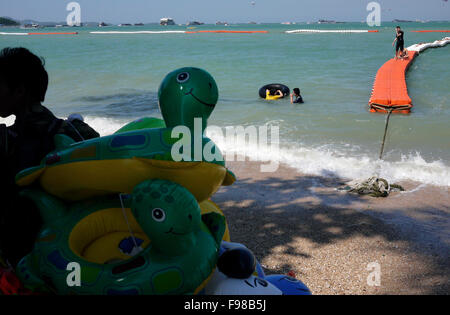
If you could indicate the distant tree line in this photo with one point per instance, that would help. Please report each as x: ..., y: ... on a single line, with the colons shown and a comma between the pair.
x: 8, y: 22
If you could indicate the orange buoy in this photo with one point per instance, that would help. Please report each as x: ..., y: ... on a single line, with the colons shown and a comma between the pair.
x: 389, y: 90
x: 223, y: 31
x: 432, y: 31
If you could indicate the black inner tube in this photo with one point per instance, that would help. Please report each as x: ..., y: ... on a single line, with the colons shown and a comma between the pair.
x: 273, y: 88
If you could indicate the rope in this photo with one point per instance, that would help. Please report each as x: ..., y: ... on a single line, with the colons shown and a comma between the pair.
x: 385, y: 132
x: 76, y: 130
x: 376, y: 186
x: 128, y: 223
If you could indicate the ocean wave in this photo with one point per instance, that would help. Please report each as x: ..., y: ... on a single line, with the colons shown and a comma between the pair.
x: 106, y: 126
x: 119, y: 105
x: 347, y: 164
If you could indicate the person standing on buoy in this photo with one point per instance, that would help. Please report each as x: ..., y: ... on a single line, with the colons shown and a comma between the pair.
x: 400, y: 42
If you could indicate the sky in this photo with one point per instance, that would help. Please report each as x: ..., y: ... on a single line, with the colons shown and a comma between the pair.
x: 232, y: 11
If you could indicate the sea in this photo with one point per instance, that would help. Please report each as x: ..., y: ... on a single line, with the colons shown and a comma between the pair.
x: 112, y: 79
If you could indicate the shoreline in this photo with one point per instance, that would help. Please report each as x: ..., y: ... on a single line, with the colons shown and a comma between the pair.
x: 302, y: 223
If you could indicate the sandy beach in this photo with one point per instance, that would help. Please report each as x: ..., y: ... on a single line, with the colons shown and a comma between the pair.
x: 302, y: 223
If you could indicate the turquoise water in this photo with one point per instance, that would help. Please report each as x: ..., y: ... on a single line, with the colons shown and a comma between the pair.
x: 112, y: 79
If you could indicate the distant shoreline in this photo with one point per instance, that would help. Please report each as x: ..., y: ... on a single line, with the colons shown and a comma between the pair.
x: 139, y: 23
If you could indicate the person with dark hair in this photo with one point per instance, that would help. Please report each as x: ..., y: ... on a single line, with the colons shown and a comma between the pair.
x: 400, y: 42
x: 23, y: 86
x: 274, y: 95
x: 297, y: 96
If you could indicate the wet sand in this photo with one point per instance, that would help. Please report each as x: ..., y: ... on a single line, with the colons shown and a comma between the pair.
x: 302, y: 223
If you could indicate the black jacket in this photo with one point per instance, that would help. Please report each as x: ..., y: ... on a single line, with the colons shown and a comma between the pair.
x: 30, y: 139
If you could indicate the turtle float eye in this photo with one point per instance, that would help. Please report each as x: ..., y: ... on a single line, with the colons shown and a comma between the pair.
x: 158, y: 215
x: 183, y: 77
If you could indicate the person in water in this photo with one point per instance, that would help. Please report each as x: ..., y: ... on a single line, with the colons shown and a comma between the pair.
x: 399, y: 42
x: 23, y: 86
x: 277, y: 95
x: 296, y: 96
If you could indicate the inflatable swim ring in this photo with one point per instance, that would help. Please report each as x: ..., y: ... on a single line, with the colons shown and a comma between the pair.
x: 234, y: 277
x: 142, y: 123
x: 131, y: 218
x: 273, y: 88
x: 117, y: 163
x: 120, y: 246
x: 176, y: 253
x: 288, y: 285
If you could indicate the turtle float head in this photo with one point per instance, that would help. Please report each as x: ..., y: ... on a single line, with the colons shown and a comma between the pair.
x: 168, y: 213
x: 186, y: 94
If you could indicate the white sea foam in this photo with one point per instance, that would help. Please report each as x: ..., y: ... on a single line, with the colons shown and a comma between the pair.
x: 345, y: 164
x: 105, y: 126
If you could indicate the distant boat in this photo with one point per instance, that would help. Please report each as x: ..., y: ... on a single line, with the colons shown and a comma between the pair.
x: 326, y: 22
x: 167, y: 21
x: 402, y: 21
x: 125, y: 24
x: 194, y: 23
x: 222, y: 23
x: 34, y: 25
x: 102, y: 24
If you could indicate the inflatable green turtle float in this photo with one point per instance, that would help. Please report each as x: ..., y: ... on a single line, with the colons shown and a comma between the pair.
x: 117, y: 163
x: 162, y: 246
